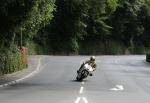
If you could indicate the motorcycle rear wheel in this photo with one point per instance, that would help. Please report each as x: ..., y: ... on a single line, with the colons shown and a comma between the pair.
x: 78, y: 79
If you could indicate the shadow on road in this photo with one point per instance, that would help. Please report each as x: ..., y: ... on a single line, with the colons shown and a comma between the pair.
x: 79, y: 81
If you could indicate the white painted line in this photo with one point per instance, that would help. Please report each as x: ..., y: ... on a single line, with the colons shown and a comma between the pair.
x: 37, y: 69
x: 83, y: 83
x: 77, y: 100
x: 25, y: 77
x: 117, y: 88
x: 114, y: 89
x: 120, y: 87
x: 81, y: 90
x: 85, y: 100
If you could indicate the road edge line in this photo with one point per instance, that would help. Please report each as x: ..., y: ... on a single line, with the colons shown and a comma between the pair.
x: 23, y: 78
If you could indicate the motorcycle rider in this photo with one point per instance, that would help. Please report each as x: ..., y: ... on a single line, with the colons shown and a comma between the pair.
x: 91, y: 61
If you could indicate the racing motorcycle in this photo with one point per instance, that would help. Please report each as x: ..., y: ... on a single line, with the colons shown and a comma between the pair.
x: 86, y: 70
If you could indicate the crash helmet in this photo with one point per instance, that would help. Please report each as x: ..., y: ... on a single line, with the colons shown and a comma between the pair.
x: 92, y: 58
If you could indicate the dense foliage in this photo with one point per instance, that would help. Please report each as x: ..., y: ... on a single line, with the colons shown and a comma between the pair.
x: 11, y: 60
x: 148, y: 58
x: 77, y: 26
x: 68, y: 25
x: 18, y: 17
x: 118, y: 26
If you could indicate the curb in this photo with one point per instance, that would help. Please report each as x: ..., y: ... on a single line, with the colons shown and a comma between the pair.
x: 23, y: 78
x: 146, y: 62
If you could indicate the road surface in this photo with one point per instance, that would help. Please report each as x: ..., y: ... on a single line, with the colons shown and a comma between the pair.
x: 118, y: 79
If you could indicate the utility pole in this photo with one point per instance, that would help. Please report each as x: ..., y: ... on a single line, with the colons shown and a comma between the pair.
x: 21, y: 38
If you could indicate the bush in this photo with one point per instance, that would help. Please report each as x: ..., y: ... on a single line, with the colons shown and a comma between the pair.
x: 11, y: 60
x: 100, y: 48
x: 148, y: 57
x: 36, y: 49
x: 139, y: 49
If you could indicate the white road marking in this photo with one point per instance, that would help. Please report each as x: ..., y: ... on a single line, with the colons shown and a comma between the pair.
x: 114, y: 89
x: 120, y: 87
x: 34, y: 72
x: 85, y: 100
x: 117, y: 88
x: 83, y: 83
x: 77, y: 100
x: 25, y: 77
x: 81, y: 90
x: 18, y: 80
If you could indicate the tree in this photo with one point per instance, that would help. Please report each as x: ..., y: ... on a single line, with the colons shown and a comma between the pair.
x: 125, y: 22
x: 144, y: 16
x: 69, y: 24
x: 26, y: 14
x: 98, y: 15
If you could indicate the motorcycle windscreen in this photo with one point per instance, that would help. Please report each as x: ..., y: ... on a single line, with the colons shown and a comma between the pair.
x: 88, y: 67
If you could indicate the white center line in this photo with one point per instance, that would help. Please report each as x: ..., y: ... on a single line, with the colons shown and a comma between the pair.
x: 77, y: 100
x: 82, y: 83
x: 85, y: 100
x: 81, y: 90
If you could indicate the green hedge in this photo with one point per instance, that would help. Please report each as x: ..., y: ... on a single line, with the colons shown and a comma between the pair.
x: 36, y: 49
x: 99, y: 48
x: 148, y: 57
x: 10, y: 61
x: 109, y: 48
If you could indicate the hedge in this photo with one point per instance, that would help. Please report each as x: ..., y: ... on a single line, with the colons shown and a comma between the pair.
x: 148, y: 57
x: 11, y: 61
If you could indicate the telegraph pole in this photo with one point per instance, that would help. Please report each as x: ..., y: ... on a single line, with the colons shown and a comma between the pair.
x: 21, y: 38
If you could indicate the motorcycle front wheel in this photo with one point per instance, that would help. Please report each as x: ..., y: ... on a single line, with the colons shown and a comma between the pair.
x: 78, y: 79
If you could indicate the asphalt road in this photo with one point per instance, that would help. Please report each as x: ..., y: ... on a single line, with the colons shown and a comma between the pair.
x: 118, y: 79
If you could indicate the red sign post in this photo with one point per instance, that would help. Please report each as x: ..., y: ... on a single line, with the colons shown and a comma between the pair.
x: 24, y: 58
